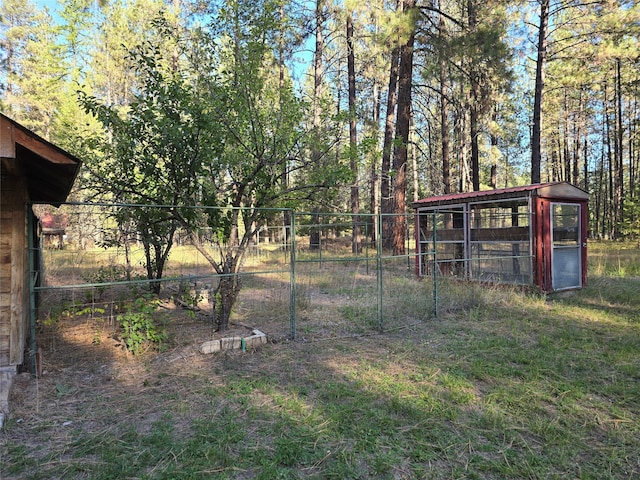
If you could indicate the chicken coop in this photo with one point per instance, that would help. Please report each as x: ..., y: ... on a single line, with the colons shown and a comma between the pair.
x: 32, y: 170
x: 530, y: 235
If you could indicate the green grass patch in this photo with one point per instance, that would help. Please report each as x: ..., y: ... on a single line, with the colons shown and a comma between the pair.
x: 503, y: 384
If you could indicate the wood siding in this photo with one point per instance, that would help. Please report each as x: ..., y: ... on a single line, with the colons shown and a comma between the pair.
x: 14, y: 273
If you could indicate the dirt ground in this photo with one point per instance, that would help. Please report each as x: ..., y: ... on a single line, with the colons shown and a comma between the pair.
x: 91, y: 384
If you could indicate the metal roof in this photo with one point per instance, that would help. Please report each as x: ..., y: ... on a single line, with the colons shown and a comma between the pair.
x: 560, y: 190
x: 49, y: 170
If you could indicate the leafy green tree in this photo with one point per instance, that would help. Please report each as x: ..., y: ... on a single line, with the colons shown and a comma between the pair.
x: 220, y: 130
x: 156, y: 154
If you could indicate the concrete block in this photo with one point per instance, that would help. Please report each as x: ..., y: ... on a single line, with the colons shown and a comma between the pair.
x: 253, y: 341
x: 230, y: 343
x: 234, y: 343
x: 258, y: 338
x: 211, y: 346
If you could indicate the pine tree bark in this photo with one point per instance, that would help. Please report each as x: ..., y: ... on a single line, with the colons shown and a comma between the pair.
x: 400, y: 157
x: 473, y: 113
x: 618, y: 146
x: 494, y: 163
x: 314, y: 235
x: 536, y: 148
x: 475, y: 150
x: 374, y: 197
x: 444, y: 119
x: 386, y: 204
x: 353, y: 139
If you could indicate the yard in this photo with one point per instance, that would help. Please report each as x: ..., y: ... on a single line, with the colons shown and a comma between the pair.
x: 502, y: 384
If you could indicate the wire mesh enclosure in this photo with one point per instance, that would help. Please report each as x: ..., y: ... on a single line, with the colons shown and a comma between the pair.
x: 529, y: 235
x: 302, y: 276
x: 99, y: 279
x: 354, y: 282
x: 495, y: 246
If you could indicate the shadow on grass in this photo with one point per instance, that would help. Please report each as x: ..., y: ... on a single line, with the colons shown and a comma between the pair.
x: 508, y: 386
x: 613, y: 296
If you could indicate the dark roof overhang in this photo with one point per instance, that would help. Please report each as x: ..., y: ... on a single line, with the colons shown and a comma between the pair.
x: 49, y: 171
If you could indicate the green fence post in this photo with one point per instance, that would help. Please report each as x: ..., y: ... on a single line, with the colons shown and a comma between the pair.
x: 435, y: 267
x: 292, y: 277
x: 379, y: 270
x: 32, y: 293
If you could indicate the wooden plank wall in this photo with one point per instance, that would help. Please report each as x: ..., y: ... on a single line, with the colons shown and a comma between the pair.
x: 14, y: 290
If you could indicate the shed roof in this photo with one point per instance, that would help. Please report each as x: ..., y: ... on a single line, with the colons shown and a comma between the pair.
x: 49, y: 170
x: 556, y: 190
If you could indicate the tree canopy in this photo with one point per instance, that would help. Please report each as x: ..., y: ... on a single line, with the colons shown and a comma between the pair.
x: 329, y: 105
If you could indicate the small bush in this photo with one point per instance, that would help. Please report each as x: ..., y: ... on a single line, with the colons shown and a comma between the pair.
x: 138, y: 325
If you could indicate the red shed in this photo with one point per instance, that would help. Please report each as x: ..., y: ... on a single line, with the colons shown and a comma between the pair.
x: 535, y: 234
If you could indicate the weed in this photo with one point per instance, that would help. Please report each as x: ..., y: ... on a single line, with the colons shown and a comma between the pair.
x: 138, y: 326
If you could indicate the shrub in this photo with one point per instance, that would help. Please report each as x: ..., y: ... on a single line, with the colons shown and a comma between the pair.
x: 138, y: 326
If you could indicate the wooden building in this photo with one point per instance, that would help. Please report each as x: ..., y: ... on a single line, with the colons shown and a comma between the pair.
x: 32, y: 170
x: 530, y: 235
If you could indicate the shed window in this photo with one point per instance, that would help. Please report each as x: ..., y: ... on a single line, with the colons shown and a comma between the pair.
x: 483, y: 241
x: 499, y: 244
x: 449, y: 246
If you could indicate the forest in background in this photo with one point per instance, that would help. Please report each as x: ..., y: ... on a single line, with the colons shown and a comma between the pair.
x: 323, y: 105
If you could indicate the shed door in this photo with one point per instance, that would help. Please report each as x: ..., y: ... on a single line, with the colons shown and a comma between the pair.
x: 566, y: 260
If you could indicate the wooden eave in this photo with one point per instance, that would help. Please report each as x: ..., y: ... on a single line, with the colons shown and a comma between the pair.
x: 48, y: 170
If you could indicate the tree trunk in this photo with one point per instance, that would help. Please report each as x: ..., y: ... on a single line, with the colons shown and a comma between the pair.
x: 444, y: 120
x: 314, y: 235
x: 463, y: 161
x: 600, y: 197
x: 577, y: 139
x: 375, y: 179
x: 353, y: 139
x: 631, y: 135
x: 414, y: 162
x: 475, y: 151
x: 474, y: 110
x: 610, y: 211
x: 284, y: 177
x: 494, y: 163
x: 226, y: 294
x: 405, y: 76
x: 618, y: 147
x: 566, y: 140
x: 386, y: 206
x: 536, y: 148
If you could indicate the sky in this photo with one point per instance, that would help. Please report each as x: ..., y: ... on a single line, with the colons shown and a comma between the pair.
x: 299, y: 65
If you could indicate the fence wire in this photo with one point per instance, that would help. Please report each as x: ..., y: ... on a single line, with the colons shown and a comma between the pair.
x: 303, y: 276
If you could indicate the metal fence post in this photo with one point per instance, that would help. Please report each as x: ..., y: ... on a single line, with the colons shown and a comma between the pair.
x: 292, y: 277
x: 435, y: 266
x: 33, y: 347
x: 379, y: 270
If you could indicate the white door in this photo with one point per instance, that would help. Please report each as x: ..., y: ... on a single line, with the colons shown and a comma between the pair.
x: 566, y: 257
